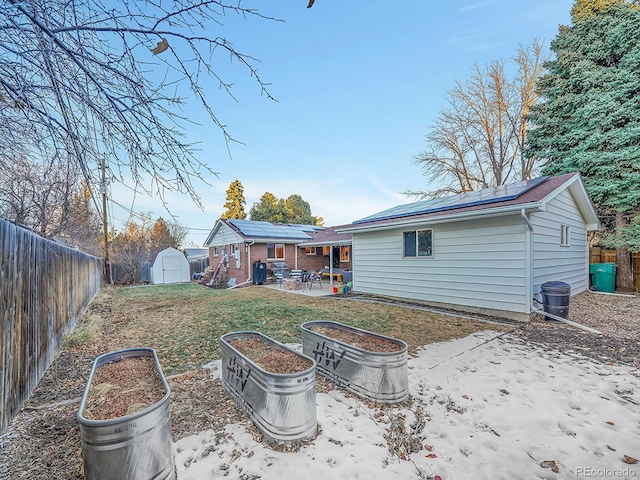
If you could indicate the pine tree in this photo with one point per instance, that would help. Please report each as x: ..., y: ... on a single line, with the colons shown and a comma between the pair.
x: 293, y: 209
x: 235, y: 202
x: 298, y: 210
x: 267, y: 209
x: 589, y: 119
x: 583, y: 9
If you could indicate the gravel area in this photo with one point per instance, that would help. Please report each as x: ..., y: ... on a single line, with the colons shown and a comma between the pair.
x: 617, y: 317
x: 43, y: 441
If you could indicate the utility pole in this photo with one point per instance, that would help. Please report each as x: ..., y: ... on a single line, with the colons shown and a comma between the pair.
x: 105, y: 229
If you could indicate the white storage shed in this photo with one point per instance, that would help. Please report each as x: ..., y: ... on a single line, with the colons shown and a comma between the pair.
x: 170, y: 266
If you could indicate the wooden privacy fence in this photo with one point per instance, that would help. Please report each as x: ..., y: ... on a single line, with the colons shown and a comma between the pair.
x: 44, y: 289
x: 598, y: 255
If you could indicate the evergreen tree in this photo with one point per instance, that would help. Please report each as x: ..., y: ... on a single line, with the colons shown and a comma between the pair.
x: 293, y: 209
x: 235, y: 202
x: 298, y: 211
x: 583, y: 9
x: 589, y: 119
x: 267, y: 209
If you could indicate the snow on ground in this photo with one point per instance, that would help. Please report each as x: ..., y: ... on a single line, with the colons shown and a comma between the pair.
x: 483, y: 407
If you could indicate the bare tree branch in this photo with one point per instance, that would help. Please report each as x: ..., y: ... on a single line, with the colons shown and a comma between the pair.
x: 478, y: 141
x: 81, y: 77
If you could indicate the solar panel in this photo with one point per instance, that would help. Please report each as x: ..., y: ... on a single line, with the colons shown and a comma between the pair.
x: 258, y: 229
x: 479, y: 197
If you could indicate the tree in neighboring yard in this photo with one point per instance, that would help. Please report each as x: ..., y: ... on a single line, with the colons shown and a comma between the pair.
x: 235, y: 201
x: 83, y: 228
x: 585, y: 8
x: 268, y: 209
x: 297, y: 210
x: 37, y: 194
x: 160, y: 237
x: 589, y: 119
x: 90, y: 80
x: 140, y: 242
x: 293, y: 209
x: 478, y: 141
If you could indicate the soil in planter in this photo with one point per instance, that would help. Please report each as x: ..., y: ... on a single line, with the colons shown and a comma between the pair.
x: 123, y: 387
x: 362, y: 341
x: 270, y: 358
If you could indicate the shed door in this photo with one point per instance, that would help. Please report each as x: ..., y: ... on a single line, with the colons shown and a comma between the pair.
x: 171, y: 268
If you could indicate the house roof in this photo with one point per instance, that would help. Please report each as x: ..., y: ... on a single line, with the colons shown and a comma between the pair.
x: 196, y: 252
x: 260, y: 231
x: 494, y: 201
x: 328, y: 236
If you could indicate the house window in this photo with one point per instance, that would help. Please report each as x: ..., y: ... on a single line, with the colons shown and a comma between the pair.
x: 418, y: 243
x: 310, y: 250
x: 275, y: 251
x: 564, y: 235
x: 326, y: 250
x: 344, y: 253
x: 215, y: 251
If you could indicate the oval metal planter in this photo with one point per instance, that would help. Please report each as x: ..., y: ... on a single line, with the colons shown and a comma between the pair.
x: 132, y: 446
x: 282, y: 406
x: 379, y: 376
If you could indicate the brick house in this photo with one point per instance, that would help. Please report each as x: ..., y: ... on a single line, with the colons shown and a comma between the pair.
x: 235, y: 245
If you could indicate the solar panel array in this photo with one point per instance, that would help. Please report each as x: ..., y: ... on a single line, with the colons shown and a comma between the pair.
x: 480, y: 197
x: 257, y: 229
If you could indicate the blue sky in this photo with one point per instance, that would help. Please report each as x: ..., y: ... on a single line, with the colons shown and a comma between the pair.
x: 357, y: 83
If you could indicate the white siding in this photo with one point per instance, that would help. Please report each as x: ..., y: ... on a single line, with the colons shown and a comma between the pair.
x: 225, y: 236
x: 478, y: 264
x: 553, y: 262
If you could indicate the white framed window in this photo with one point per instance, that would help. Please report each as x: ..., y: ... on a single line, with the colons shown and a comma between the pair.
x: 275, y: 251
x: 565, y: 236
x: 418, y: 243
x: 215, y: 251
x: 310, y: 250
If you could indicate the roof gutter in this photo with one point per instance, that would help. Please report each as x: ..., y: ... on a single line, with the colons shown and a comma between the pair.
x: 495, y: 212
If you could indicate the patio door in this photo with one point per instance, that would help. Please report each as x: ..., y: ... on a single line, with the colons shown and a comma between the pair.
x: 336, y: 257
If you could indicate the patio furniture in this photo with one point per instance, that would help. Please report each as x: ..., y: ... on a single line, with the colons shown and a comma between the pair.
x: 314, y: 277
x: 336, y: 276
x: 279, y: 270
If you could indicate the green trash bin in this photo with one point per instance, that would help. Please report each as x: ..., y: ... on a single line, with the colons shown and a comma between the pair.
x: 603, y: 277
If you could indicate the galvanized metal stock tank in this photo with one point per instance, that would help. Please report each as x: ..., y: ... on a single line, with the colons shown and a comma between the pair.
x: 282, y: 406
x: 378, y: 376
x: 136, y: 446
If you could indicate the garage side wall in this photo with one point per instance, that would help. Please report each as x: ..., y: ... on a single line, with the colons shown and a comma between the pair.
x: 556, y: 262
x: 476, y: 265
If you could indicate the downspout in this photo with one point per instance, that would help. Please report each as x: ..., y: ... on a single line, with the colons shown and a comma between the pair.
x: 564, y: 320
x: 529, y: 251
x: 248, y: 251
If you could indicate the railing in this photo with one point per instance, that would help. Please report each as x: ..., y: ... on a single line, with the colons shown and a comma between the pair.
x: 44, y: 287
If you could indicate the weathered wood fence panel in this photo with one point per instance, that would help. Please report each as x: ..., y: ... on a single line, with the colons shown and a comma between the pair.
x: 598, y: 255
x: 44, y: 289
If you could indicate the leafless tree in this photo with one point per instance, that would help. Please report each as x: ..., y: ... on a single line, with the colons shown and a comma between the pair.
x: 37, y: 195
x: 477, y: 141
x: 93, y: 80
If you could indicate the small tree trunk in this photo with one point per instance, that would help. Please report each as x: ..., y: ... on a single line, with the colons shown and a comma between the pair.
x: 624, y: 273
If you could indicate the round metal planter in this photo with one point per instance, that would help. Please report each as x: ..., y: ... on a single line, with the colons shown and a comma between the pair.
x: 136, y: 446
x: 378, y: 376
x: 282, y: 406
